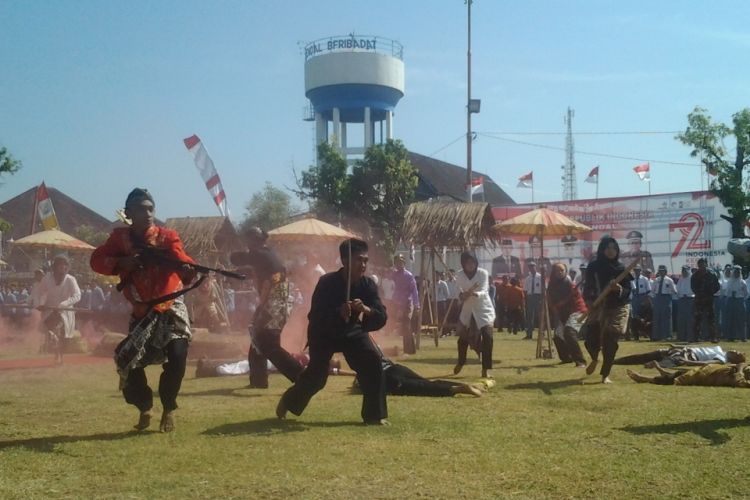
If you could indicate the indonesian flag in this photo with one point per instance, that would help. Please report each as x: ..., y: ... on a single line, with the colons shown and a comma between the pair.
x: 644, y: 172
x: 526, y: 181
x: 45, y: 209
x: 477, y: 186
x: 593, y: 177
x: 208, y: 173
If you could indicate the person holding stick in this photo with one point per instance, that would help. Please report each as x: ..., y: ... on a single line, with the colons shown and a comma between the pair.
x: 271, y: 312
x: 56, y: 295
x: 477, y: 313
x: 607, y: 293
x: 154, y: 271
x: 345, y: 307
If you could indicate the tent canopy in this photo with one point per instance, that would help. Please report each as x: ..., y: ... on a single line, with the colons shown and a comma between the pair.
x: 304, y: 229
x: 455, y: 225
x: 53, y: 238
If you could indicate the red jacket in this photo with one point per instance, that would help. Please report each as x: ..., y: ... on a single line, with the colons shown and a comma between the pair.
x: 150, y: 282
x: 564, y: 299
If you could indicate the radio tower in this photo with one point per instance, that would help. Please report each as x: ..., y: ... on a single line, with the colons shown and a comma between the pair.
x: 570, y: 191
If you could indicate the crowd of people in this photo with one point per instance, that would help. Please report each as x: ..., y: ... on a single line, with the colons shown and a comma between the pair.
x: 602, y: 304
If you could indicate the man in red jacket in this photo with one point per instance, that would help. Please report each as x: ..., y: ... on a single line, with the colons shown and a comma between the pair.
x: 153, y: 269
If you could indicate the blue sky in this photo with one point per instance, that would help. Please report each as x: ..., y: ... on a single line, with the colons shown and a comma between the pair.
x: 96, y: 97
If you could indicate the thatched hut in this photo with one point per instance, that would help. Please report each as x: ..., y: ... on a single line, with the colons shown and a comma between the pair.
x: 209, y: 240
x: 452, y: 225
x: 437, y: 225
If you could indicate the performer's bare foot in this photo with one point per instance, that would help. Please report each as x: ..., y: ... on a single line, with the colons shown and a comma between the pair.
x: 580, y: 365
x: 592, y: 366
x: 383, y: 422
x: 167, y: 421
x: 636, y: 377
x: 606, y: 380
x: 144, y: 420
x: 457, y: 369
x: 281, y: 410
x: 486, y: 374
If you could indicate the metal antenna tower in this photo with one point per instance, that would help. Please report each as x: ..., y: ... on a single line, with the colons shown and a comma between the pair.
x: 570, y: 190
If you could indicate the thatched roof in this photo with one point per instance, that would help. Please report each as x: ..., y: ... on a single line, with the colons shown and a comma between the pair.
x: 207, y: 239
x: 456, y: 225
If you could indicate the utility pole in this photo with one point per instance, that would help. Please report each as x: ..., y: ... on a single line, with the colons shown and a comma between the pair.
x: 570, y: 190
x: 468, y: 106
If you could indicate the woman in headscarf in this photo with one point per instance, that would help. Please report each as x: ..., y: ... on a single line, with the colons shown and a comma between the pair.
x: 606, y: 323
x: 477, y: 313
x: 567, y: 307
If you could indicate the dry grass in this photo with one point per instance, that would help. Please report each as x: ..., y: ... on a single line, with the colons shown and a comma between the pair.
x: 540, y: 433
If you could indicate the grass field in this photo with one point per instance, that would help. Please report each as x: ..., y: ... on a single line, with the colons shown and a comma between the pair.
x: 540, y: 433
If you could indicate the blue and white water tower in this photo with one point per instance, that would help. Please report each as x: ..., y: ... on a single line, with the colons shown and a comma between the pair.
x: 351, y: 80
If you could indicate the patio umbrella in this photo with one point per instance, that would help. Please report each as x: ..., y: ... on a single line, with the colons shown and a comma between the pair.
x: 305, y: 229
x: 53, y: 238
x: 541, y: 222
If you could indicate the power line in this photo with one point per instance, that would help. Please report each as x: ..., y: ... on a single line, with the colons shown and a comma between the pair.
x: 462, y: 136
x: 589, y: 153
x: 645, y: 132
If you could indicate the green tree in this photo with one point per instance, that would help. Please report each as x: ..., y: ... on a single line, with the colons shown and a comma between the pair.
x: 729, y: 184
x: 326, y: 185
x: 383, y: 183
x: 268, y: 209
x: 8, y: 165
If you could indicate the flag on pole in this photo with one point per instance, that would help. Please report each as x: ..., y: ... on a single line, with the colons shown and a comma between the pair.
x: 45, y: 209
x: 477, y: 186
x: 644, y: 172
x: 208, y: 173
x: 526, y: 181
x: 593, y: 177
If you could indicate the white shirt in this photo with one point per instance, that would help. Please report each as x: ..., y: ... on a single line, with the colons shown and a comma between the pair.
x: 722, y: 285
x: 388, y: 285
x: 532, y: 285
x: 736, y: 287
x: 667, y: 289
x: 443, y: 293
x: 66, y: 294
x: 641, y: 286
x: 683, y: 287
x: 479, y: 306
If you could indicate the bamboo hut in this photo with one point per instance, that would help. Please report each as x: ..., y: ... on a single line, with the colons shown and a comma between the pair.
x: 208, y: 240
x: 435, y: 225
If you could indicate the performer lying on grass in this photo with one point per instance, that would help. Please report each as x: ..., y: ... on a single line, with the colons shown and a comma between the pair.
x: 159, y: 329
x: 729, y: 375
x: 345, y: 307
x: 399, y: 380
x: 684, y: 356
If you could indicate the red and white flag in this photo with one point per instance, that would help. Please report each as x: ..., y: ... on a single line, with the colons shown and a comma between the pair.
x: 208, y: 173
x: 526, y: 181
x: 45, y: 209
x: 593, y: 177
x: 477, y: 186
x: 644, y: 172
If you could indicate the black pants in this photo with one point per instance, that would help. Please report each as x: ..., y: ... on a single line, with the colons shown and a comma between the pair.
x: 486, y: 341
x: 136, y: 389
x: 703, y: 307
x: 362, y: 356
x: 643, y: 358
x: 402, y: 381
x: 567, y: 346
x: 602, y: 337
x: 268, y: 347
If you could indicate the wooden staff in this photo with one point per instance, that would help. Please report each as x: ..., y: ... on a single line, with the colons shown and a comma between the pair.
x: 603, y: 295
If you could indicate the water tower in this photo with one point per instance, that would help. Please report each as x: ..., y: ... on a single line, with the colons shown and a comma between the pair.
x: 353, y: 82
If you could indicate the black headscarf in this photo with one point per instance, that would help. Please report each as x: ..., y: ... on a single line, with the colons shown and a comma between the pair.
x: 615, y: 263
